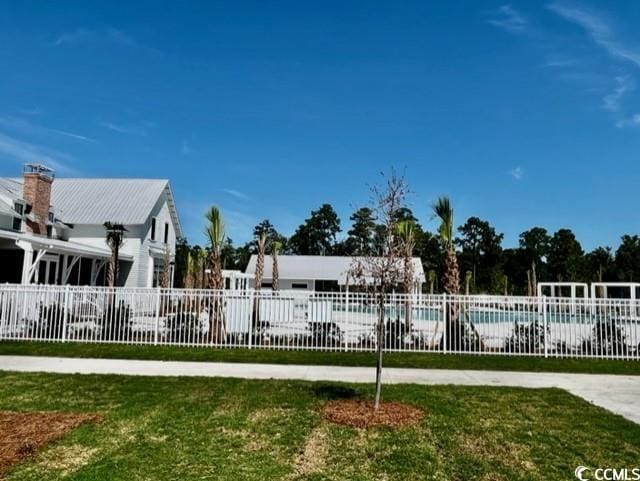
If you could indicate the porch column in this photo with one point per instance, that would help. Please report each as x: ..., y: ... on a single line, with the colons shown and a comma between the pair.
x: 93, y: 273
x: 27, y: 262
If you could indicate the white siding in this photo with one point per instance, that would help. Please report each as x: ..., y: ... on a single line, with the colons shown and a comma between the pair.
x: 138, y: 243
x: 287, y: 284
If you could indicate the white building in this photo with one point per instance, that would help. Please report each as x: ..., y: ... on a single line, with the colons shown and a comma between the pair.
x: 316, y: 273
x: 52, y: 229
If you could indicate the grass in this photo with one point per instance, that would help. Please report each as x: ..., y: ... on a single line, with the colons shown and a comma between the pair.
x: 229, y: 429
x: 415, y: 360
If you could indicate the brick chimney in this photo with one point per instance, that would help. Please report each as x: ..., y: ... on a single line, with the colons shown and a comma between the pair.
x: 36, y: 190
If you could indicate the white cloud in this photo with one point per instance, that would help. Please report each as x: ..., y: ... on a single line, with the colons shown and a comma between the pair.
x: 599, y: 29
x: 561, y: 62
x: 25, y: 152
x: 141, y: 129
x: 508, y: 18
x: 110, y: 35
x: 633, y: 121
x: 236, y: 193
x: 517, y: 173
x: 185, y: 148
x: 25, y: 126
x: 624, y: 84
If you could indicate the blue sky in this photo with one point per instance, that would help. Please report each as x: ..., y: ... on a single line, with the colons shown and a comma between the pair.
x: 524, y: 113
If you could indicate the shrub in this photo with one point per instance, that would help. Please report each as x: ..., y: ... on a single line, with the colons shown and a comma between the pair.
x: 527, y: 338
x: 324, y: 334
x: 116, y: 321
x: 607, y: 339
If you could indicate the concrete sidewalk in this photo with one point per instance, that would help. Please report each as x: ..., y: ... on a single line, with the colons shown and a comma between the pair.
x: 619, y: 394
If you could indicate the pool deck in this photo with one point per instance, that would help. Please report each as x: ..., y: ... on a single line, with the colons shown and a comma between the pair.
x: 616, y: 393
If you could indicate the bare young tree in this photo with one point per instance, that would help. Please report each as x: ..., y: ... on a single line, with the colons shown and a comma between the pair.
x: 381, y: 273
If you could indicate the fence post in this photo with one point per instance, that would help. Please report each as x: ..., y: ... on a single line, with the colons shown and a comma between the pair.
x: 544, y: 324
x: 155, y: 337
x: 65, y: 313
x: 444, y: 322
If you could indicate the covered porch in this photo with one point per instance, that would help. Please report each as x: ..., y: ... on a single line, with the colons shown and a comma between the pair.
x: 30, y: 259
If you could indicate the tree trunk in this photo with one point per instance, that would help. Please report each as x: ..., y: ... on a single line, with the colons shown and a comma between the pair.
x: 451, y: 277
x: 275, y: 274
x: 111, y: 272
x: 379, y: 347
x: 216, y: 282
x: 408, y: 289
x: 534, y: 279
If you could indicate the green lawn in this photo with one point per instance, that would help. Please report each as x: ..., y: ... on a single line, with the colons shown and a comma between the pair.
x: 417, y: 360
x: 228, y: 429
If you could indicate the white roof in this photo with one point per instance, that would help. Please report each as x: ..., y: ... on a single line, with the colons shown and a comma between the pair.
x: 96, y: 201
x: 321, y: 268
x: 10, y: 190
x: 57, y: 245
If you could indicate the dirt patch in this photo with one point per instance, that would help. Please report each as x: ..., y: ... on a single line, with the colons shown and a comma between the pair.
x: 68, y: 459
x: 262, y: 415
x: 314, y: 454
x: 360, y: 414
x: 22, y: 434
x: 510, y: 454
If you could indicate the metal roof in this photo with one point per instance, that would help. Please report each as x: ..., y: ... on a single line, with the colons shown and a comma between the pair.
x: 10, y: 190
x: 322, y: 268
x: 57, y: 245
x: 96, y: 201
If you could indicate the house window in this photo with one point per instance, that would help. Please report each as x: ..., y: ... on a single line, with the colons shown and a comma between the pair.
x: 158, y: 270
x: 266, y: 285
x: 153, y: 228
x: 49, y: 231
x: 51, y: 217
x: 17, y: 224
x: 166, y: 232
x: 299, y: 285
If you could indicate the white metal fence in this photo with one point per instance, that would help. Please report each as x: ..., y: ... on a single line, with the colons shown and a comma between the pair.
x: 539, y: 326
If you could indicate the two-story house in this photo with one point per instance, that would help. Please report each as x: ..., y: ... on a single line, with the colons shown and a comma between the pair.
x: 52, y: 230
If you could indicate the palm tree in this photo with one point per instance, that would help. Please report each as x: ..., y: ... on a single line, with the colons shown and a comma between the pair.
x: 458, y: 334
x: 192, y: 271
x: 262, y: 244
x: 201, y: 258
x: 114, y: 239
x: 406, y: 233
x: 443, y: 210
x: 216, y: 237
x: 275, y: 275
x: 432, y: 280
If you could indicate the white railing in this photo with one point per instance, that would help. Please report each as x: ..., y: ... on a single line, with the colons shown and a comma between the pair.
x: 538, y: 326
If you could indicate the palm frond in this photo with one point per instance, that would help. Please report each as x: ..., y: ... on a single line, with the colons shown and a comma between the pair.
x: 215, y: 229
x: 443, y: 210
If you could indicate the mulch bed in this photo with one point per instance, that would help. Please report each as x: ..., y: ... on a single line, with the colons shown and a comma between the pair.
x: 23, y: 433
x: 360, y: 414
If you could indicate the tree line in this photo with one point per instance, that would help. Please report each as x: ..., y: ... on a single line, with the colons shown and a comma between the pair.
x: 484, y: 264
